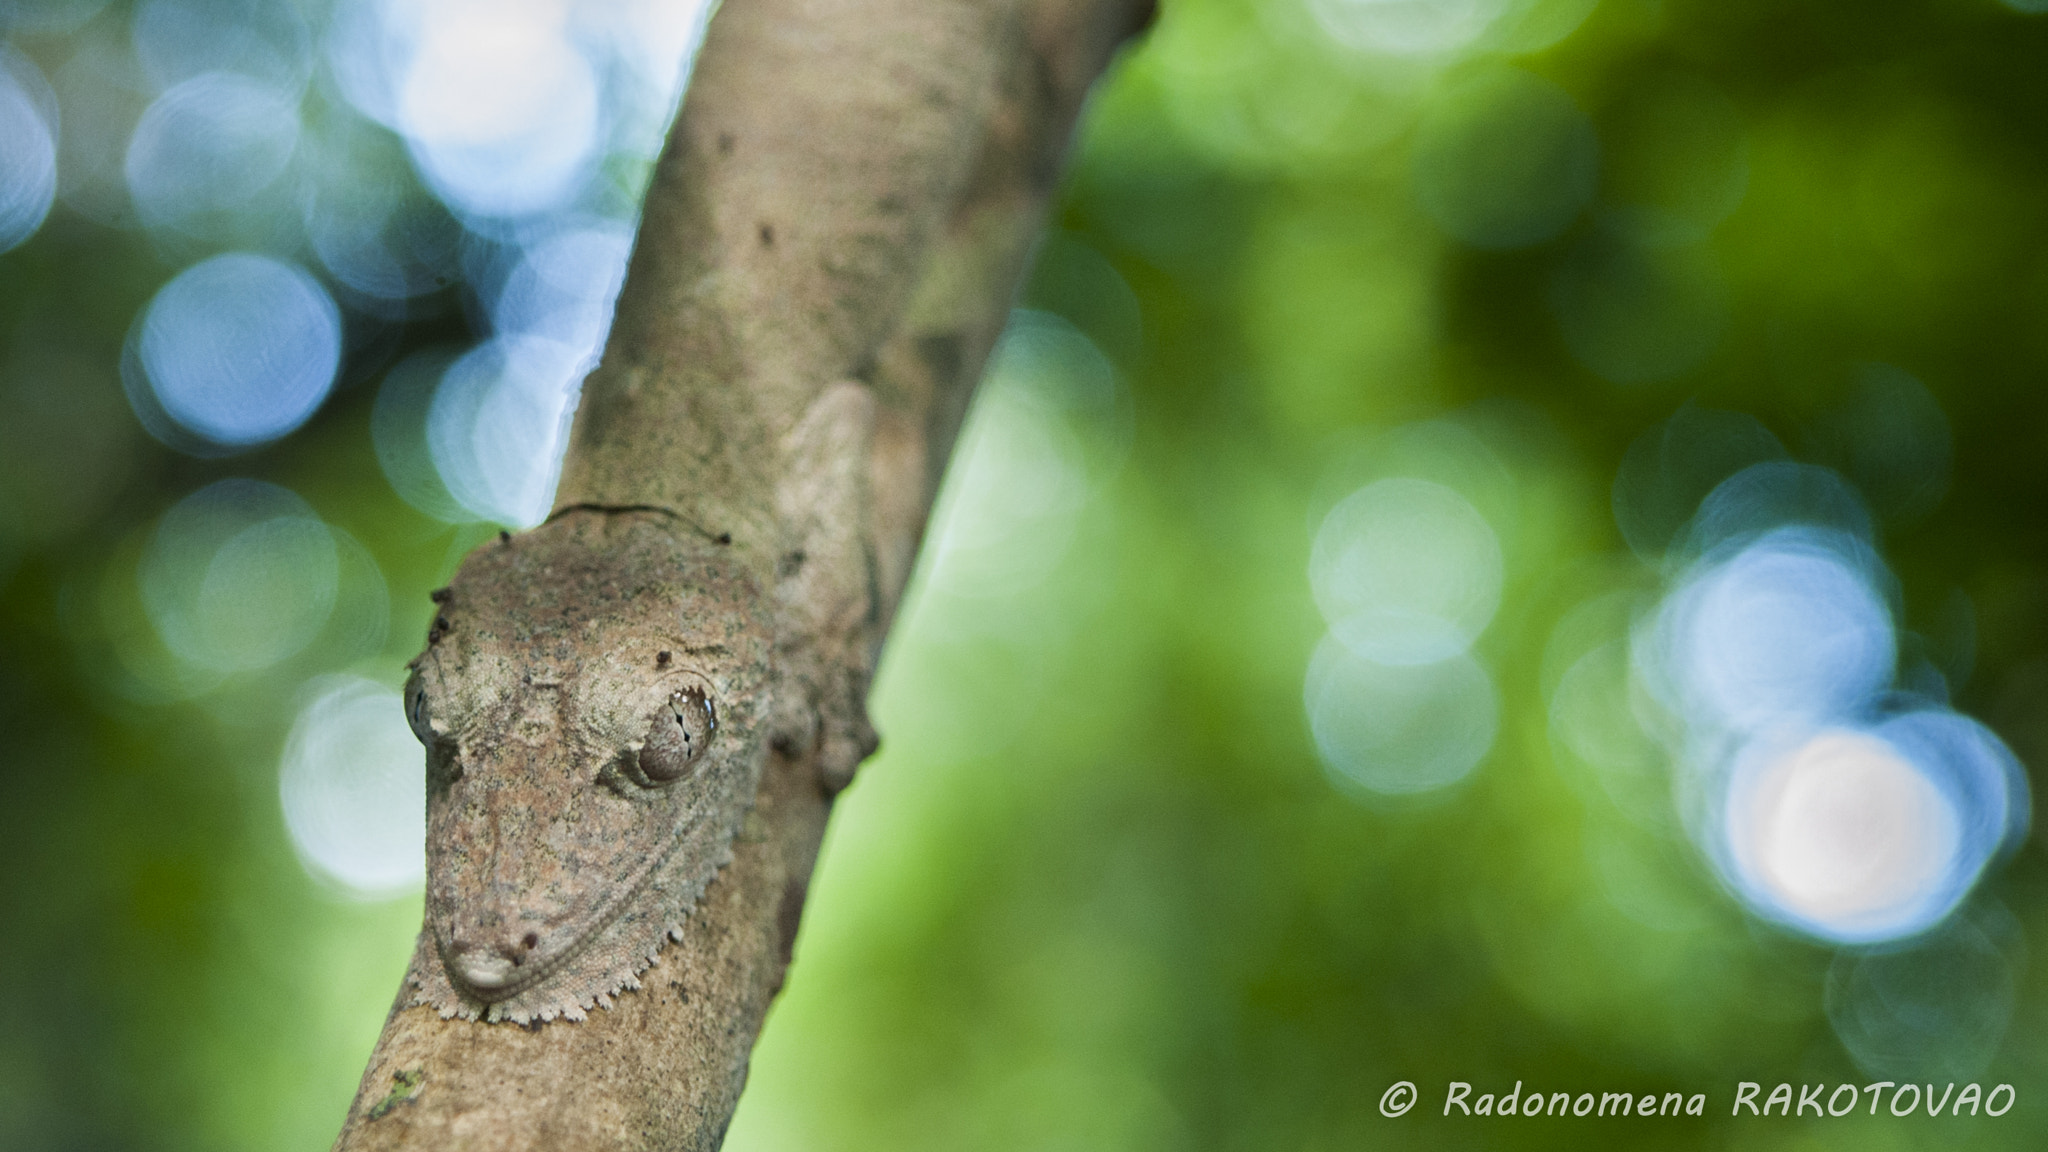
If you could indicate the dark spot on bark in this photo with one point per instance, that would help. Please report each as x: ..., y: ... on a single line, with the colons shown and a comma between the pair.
x: 725, y: 143
x: 440, y: 595
x: 532, y: 1025
x: 784, y: 745
x: 768, y: 235
x: 893, y: 205
x: 661, y: 659
x: 942, y: 355
x: 530, y: 941
x: 725, y: 537
x: 792, y: 563
x: 504, y: 537
x: 788, y: 915
x: 439, y: 628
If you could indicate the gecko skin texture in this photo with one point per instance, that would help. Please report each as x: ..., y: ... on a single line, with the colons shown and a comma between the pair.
x: 593, y: 699
x: 598, y: 698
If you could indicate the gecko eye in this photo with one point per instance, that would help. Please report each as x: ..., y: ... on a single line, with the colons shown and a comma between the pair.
x: 416, y: 712
x: 681, y: 731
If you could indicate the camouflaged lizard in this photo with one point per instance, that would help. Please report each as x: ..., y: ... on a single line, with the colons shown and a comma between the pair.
x: 597, y: 699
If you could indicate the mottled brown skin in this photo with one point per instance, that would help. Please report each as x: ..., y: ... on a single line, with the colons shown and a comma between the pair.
x: 593, y: 699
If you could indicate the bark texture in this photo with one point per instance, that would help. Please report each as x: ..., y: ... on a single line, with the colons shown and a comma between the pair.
x: 849, y: 194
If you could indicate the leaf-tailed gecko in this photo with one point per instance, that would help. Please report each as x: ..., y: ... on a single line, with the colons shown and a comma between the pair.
x: 597, y: 699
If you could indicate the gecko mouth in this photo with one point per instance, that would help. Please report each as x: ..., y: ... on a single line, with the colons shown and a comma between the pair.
x: 483, y: 970
x: 493, y: 975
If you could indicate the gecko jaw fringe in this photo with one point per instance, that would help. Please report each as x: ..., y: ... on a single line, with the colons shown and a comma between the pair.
x: 547, y: 1000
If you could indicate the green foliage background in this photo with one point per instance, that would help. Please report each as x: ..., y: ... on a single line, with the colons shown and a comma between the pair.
x: 1096, y: 891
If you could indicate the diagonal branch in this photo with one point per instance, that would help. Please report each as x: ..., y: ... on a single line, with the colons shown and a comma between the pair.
x: 844, y: 209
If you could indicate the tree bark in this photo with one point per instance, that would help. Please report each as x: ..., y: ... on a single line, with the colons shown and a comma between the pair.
x: 849, y: 193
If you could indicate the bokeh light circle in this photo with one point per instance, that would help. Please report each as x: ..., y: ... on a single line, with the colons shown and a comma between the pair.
x: 1827, y: 806
x: 209, y: 146
x: 497, y: 424
x: 1786, y: 627
x: 1934, y: 1008
x: 502, y: 113
x: 1860, y: 835
x: 379, y: 234
x: 239, y: 576
x: 1406, y: 27
x: 1776, y: 494
x: 240, y: 349
x: 1668, y: 470
x: 1977, y: 772
x: 564, y: 285
x: 1842, y: 835
x: 176, y: 40
x: 1592, y: 713
x: 1398, y: 730
x: 1406, y: 571
x: 398, y: 432
x: 352, y: 785
x: 1892, y: 437
x: 28, y: 150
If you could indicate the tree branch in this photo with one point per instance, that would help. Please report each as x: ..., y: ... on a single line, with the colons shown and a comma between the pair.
x: 849, y: 194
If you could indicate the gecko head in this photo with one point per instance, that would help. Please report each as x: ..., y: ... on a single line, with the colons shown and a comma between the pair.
x: 590, y: 701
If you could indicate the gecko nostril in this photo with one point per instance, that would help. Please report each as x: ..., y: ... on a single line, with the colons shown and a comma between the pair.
x: 531, y: 940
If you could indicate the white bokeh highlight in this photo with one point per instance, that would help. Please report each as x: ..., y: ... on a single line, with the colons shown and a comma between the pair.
x: 513, y: 115
x: 500, y: 106
x: 352, y: 785
x: 1842, y: 835
x: 1831, y: 802
x: 510, y: 108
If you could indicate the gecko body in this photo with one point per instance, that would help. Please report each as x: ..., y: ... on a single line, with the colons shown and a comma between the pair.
x: 597, y: 700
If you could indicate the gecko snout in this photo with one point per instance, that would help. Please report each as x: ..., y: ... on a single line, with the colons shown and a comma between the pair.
x: 489, y: 967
